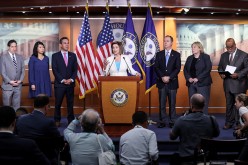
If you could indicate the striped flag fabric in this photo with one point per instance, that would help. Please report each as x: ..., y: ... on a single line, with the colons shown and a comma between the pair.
x: 149, y: 46
x: 86, y: 59
x: 104, y: 40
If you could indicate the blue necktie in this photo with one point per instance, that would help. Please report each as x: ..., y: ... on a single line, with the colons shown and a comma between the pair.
x: 167, y: 58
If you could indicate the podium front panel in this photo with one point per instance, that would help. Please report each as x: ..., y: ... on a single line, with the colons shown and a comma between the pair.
x: 118, y: 101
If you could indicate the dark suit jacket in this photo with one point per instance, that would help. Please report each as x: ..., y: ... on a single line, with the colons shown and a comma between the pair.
x: 37, y: 126
x: 61, y: 71
x: 172, y: 69
x: 240, y: 61
x: 203, y: 68
x: 15, y: 150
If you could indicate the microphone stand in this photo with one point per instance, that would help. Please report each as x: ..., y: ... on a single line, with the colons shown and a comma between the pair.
x: 129, y: 70
x: 110, y: 67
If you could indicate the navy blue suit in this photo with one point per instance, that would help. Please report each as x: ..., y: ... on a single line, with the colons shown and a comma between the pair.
x: 15, y: 150
x: 61, y: 71
x: 167, y: 89
x: 36, y: 126
x: 203, y: 67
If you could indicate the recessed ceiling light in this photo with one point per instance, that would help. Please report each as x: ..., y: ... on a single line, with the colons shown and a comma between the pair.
x: 202, y: 8
x: 23, y: 12
x: 103, y: 12
x: 161, y: 7
x: 157, y: 12
x: 73, y: 7
x: 31, y: 8
x: 77, y: 12
x: 237, y: 13
x: 50, y: 12
x: 239, y: 9
x: 212, y: 13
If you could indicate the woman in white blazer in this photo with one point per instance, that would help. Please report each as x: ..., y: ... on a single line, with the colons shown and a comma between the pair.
x: 118, y: 64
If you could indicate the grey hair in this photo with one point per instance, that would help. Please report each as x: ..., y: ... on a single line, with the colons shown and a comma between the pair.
x: 90, y: 119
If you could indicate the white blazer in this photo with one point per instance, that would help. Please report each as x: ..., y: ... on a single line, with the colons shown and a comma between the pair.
x: 125, y: 66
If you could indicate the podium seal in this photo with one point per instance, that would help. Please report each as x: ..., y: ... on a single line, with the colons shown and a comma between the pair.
x: 119, y: 97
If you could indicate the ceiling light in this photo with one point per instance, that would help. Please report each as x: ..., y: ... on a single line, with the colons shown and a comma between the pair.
x: 50, y: 12
x: 237, y: 13
x: 31, y: 8
x: 239, y: 9
x: 77, y: 12
x: 157, y: 12
x: 186, y: 10
x: 103, y: 12
x: 23, y: 12
x: 212, y: 13
x: 161, y: 7
x: 42, y: 8
x: 202, y: 8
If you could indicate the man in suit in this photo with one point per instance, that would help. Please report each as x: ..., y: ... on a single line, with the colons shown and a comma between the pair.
x: 15, y: 150
x: 38, y: 127
x: 167, y: 66
x: 64, y: 66
x: 236, y: 82
x: 12, y: 71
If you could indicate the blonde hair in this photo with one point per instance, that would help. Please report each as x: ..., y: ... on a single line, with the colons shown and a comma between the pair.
x: 197, y: 43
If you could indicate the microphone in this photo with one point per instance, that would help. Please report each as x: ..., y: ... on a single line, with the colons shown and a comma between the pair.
x: 129, y: 70
x: 110, y: 66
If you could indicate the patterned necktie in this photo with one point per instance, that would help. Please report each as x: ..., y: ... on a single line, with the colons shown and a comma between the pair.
x: 14, y: 60
x: 65, y: 59
x: 167, y: 58
x: 231, y: 58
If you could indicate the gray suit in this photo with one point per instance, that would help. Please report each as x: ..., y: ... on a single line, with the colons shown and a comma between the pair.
x: 11, y: 95
x: 232, y: 87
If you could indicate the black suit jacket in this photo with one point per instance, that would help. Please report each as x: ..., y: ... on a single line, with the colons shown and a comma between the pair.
x: 203, y: 68
x: 61, y: 71
x: 240, y: 61
x: 172, y: 69
x: 15, y: 150
x: 38, y: 127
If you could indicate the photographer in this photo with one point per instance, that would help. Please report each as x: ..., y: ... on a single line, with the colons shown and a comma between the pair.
x: 241, y: 103
x: 84, y: 146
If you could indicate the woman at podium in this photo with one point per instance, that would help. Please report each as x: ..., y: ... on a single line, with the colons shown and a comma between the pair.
x: 118, y: 64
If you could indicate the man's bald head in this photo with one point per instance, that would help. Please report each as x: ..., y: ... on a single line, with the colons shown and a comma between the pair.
x: 197, y: 102
x: 90, y: 119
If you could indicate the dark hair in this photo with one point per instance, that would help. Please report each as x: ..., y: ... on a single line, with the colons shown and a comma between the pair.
x: 7, y: 116
x: 35, y: 49
x: 21, y: 111
x: 63, y: 38
x: 41, y: 101
x: 10, y: 42
x: 139, y: 117
x: 169, y: 37
x: 90, y: 120
x: 119, y: 44
x: 242, y: 97
x: 197, y: 101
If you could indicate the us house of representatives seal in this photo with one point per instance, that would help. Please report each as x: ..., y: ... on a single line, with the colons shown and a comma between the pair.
x: 119, y: 97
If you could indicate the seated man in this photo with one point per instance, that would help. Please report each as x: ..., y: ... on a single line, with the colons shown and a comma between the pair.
x: 84, y: 146
x: 15, y: 150
x: 139, y: 145
x: 38, y: 127
x: 191, y: 128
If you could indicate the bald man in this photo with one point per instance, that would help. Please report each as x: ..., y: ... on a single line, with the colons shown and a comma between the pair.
x: 191, y: 128
x: 236, y: 83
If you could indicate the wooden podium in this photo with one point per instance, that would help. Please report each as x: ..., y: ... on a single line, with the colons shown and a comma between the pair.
x: 118, y: 98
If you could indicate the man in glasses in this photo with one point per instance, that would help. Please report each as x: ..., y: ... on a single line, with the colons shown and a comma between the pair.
x: 235, y: 83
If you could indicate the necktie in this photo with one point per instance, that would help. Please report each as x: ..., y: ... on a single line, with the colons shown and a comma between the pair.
x: 14, y: 60
x: 231, y: 58
x: 167, y: 58
x: 65, y: 59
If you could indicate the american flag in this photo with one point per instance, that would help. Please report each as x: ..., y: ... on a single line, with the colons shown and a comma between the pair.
x: 85, y: 59
x: 104, y: 40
